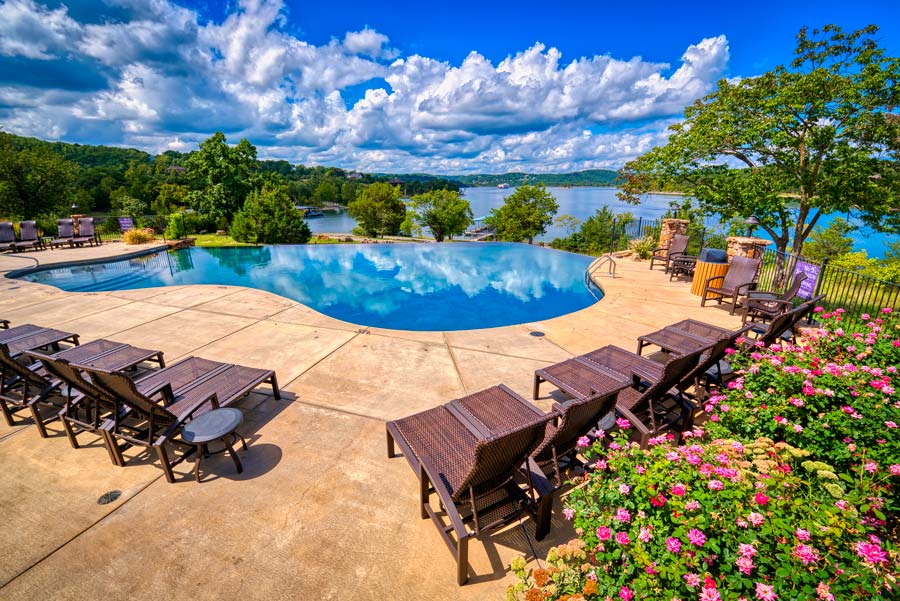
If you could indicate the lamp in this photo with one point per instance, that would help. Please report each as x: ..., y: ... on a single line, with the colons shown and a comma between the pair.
x: 751, y: 222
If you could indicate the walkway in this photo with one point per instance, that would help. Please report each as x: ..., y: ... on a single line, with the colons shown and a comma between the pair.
x: 319, y: 511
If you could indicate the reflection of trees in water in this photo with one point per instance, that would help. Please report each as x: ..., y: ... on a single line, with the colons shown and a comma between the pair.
x: 241, y: 260
x: 181, y: 260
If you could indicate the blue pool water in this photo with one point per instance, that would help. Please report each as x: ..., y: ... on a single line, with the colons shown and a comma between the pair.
x: 401, y: 286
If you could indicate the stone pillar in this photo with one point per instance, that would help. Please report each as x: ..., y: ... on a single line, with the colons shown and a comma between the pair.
x: 75, y: 219
x: 669, y: 228
x: 746, y: 247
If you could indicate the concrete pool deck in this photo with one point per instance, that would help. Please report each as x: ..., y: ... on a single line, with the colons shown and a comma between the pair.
x: 319, y: 512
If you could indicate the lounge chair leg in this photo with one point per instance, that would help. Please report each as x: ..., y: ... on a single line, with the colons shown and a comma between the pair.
x: 42, y: 430
x: 542, y: 517
x: 167, y: 467
x: 7, y: 414
x: 109, y: 443
x: 537, y: 387
x: 390, y: 444
x: 424, y: 486
x: 70, y: 432
x: 275, y: 390
x: 462, y: 561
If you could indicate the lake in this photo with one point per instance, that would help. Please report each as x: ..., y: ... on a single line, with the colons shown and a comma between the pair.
x: 582, y: 203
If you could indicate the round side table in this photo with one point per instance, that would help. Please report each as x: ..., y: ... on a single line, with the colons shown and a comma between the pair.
x: 218, y: 424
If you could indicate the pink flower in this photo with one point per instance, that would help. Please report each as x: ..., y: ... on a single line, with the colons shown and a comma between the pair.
x: 568, y: 513
x: 622, y: 514
x: 870, y: 466
x: 710, y: 593
x: 673, y: 545
x: 603, y: 533
x: 745, y: 550
x: 692, y: 579
x: 823, y: 593
x: 601, y: 464
x: 759, y: 498
x: 658, y: 501
x: 696, y: 537
x: 801, y: 534
x: 624, y: 593
x: 798, y: 428
x: 712, y: 484
x: 745, y: 564
x: 765, y: 592
x: 583, y: 441
x: 871, y: 552
x: 841, y: 504
x: 894, y: 469
x: 623, y: 424
x: 805, y: 553
x: 622, y: 538
x: 756, y: 518
x: 886, y: 310
x: 624, y: 489
x: 645, y: 534
x: 691, y: 505
x: 678, y: 490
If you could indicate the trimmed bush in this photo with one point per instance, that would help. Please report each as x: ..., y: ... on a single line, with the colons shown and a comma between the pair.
x: 137, y: 236
x: 269, y: 217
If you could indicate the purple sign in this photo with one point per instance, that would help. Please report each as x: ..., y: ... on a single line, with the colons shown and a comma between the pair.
x: 808, y: 287
x: 126, y: 223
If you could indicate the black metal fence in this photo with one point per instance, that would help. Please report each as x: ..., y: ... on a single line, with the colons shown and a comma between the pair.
x: 625, y: 231
x: 855, y: 292
x: 110, y: 230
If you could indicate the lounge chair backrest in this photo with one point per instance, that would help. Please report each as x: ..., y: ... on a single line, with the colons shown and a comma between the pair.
x: 7, y: 233
x: 10, y: 367
x: 787, y: 320
x: 497, y: 457
x: 121, y: 387
x: 86, y: 226
x: 27, y: 231
x: 63, y: 370
x: 66, y: 228
x: 791, y: 292
x: 716, y: 353
x: 575, y: 420
x: 743, y: 270
x: 678, y: 244
x: 674, y: 371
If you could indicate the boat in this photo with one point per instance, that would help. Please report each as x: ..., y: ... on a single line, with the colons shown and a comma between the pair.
x: 502, y: 186
x: 310, y: 212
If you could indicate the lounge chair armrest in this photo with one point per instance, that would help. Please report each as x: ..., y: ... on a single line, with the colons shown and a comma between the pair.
x: 163, y: 387
x: 213, y: 399
x: 745, y: 287
x: 638, y: 424
x: 539, y: 481
x: 715, y: 277
x: 429, y: 475
x: 769, y: 293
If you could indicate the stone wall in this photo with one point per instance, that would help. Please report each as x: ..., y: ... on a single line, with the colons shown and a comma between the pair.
x: 746, y: 247
x: 669, y: 228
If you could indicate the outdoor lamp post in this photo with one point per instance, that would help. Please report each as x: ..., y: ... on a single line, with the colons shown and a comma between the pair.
x: 751, y: 222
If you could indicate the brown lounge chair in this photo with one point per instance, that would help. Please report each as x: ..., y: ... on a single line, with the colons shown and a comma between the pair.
x: 165, y: 400
x: 665, y: 255
x: 31, y: 387
x: 4, y: 324
x: 476, y: 470
x: 86, y: 233
x: 784, y: 327
x: 740, y: 278
x: 28, y: 237
x: 86, y: 405
x: 7, y: 236
x: 762, y: 306
x: 66, y: 233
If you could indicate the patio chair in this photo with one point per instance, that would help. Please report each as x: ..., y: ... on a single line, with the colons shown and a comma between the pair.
x: 66, y: 233
x: 86, y: 405
x: 762, y: 306
x: 7, y: 236
x: 165, y: 400
x: 476, y: 472
x: 28, y: 237
x: 740, y: 278
x: 25, y: 387
x: 665, y: 255
x: 86, y: 233
x: 784, y: 327
x: 4, y: 324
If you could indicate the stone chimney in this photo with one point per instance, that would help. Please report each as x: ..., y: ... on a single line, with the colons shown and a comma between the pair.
x: 670, y: 227
x: 746, y: 247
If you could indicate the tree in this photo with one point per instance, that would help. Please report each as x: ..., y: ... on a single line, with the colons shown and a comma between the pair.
x: 525, y: 214
x: 225, y: 174
x: 169, y: 197
x: 326, y: 192
x: 568, y: 222
x: 268, y: 217
x: 378, y: 210
x: 822, y: 134
x: 443, y: 212
x: 830, y: 242
x: 34, y: 181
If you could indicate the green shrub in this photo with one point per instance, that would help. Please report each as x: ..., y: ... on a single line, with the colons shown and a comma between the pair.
x: 175, y: 229
x: 138, y: 236
x: 643, y: 247
x: 110, y: 225
x: 269, y: 217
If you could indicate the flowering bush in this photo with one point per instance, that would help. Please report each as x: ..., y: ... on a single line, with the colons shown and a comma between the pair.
x: 834, y: 396
x: 716, y: 520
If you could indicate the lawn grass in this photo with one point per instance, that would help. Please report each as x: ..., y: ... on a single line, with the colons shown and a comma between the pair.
x: 215, y: 241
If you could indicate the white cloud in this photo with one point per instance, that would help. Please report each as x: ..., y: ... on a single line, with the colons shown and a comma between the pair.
x: 171, y: 81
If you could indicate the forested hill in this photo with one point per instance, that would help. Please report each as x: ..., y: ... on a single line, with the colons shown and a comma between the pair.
x: 591, y: 177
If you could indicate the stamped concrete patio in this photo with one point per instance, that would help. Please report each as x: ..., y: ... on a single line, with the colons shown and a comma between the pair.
x: 319, y: 511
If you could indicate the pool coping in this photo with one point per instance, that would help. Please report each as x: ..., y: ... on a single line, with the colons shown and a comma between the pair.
x: 17, y: 273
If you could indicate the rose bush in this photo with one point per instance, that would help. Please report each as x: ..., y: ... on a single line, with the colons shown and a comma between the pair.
x: 716, y: 520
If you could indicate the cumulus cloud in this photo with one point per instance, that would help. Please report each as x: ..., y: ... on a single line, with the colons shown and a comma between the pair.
x: 156, y: 75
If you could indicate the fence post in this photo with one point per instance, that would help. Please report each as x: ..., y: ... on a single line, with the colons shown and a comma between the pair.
x: 821, y: 276
x: 640, y: 227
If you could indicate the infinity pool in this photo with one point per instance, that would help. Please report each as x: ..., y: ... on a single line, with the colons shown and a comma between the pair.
x: 400, y: 286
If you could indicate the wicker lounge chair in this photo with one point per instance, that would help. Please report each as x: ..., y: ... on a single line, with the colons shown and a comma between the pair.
x: 86, y: 233
x: 7, y: 236
x: 166, y: 399
x: 476, y: 469
x: 29, y: 336
x: 66, y: 233
x: 740, y: 278
x: 28, y: 237
x: 4, y: 324
x: 762, y: 306
x: 665, y: 255
x: 86, y: 405
x: 785, y: 325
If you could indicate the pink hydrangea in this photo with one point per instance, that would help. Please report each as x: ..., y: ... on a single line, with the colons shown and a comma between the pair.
x: 673, y: 544
x: 765, y: 592
x: 696, y: 537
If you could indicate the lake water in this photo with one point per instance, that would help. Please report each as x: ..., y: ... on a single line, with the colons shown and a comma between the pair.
x: 582, y: 203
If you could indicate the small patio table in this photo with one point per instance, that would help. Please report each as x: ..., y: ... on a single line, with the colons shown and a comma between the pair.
x: 219, y: 424
x: 675, y: 341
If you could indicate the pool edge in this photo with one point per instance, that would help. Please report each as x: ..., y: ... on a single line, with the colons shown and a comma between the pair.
x: 17, y: 273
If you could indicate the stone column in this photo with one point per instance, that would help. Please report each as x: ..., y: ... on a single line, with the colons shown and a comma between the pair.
x: 669, y: 228
x: 75, y: 219
x: 746, y: 247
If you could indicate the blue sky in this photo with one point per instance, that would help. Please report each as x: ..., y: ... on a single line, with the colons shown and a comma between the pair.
x: 445, y: 87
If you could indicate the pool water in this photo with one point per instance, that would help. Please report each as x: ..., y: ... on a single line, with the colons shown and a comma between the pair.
x: 449, y: 286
